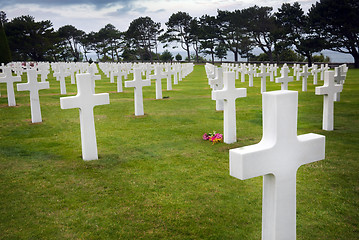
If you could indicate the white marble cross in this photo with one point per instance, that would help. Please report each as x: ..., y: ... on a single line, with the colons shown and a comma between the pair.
x: 158, y: 75
x: 62, y: 74
x: 137, y: 84
x: 9, y: 79
x: 315, y: 72
x: 294, y: 70
x: 304, y: 75
x: 329, y: 89
x: 169, y: 77
x: 275, y: 69
x: 339, y: 78
x: 322, y: 70
x: 86, y: 100
x: 229, y: 94
x: 277, y: 158
x: 264, y: 74
x: 120, y: 74
x: 33, y: 86
x: 270, y: 70
x: 92, y: 69
x: 297, y: 70
x: 43, y: 70
x: 251, y: 71
x: 284, y: 79
x: 243, y: 71
x: 217, y: 84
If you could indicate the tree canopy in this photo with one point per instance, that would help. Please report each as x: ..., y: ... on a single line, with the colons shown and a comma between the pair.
x: 282, y: 34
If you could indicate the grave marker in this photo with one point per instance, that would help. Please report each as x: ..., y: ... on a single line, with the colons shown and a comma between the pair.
x: 229, y: 94
x: 277, y: 158
x: 304, y: 75
x: 315, y: 72
x: 339, y: 78
x: 137, y: 83
x: 329, y: 89
x: 284, y: 79
x: 86, y: 100
x: 9, y: 79
x: 217, y: 84
x: 158, y: 75
x: 263, y: 74
x: 33, y: 86
x: 251, y: 71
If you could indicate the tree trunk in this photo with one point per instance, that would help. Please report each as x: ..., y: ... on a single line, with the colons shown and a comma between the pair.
x: 355, y: 55
x: 270, y: 55
x: 309, y: 58
x: 235, y: 56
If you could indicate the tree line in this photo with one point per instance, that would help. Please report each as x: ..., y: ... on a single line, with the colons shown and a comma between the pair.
x: 288, y: 34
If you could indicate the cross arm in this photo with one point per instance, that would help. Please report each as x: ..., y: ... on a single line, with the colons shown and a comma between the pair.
x: 102, y: 98
x: 69, y: 102
x: 22, y: 87
x: 250, y: 161
x: 146, y: 82
x: 130, y: 84
x: 312, y: 148
x: 44, y: 85
x: 218, y: 94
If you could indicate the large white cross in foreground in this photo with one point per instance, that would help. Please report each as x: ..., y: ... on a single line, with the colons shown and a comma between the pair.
x: 9, y: 79
x: 137, y: 84
x: 277, y: 157
x: 229, y: 94
x: 329, y: 89
x: 86, y: 100
x: 33, y: 86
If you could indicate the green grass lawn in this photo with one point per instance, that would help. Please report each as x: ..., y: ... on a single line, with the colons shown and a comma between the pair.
x: 156, y: 178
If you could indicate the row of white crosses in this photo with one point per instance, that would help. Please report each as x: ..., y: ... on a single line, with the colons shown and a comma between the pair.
x: 9, y: 79
x: 251, y: 70
x: 86, y: 100
x: 216, y: 83
x: 278, y: 155
x: 277, y: 158
x: 225, y: 93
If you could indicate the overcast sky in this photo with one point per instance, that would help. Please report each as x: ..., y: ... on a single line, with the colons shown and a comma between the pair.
x: 92, y: 15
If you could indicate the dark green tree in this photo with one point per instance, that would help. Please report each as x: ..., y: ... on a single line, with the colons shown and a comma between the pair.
x: 221, y: 51
x: 111, y: 41
x: 209, y: 35
x: 260, y: 25
x: 142, y: 35
x: 166, y: 56
x: 178, y: 57
x: 30, y: 40
x: 233, y: 32
x: 296, y: 30
x: 72, y: 39
x: 5, y: 54
x: 179, y: 30
x: 337, y: 22
x: 195, y: 32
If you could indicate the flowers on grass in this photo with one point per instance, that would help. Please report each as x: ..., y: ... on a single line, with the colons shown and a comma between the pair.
x: 213, y: 137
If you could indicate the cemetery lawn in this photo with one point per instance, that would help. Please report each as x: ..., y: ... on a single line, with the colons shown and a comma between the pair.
x: 156, y: 178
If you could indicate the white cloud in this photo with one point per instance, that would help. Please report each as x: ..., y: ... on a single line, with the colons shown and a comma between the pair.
x: 90, y: 17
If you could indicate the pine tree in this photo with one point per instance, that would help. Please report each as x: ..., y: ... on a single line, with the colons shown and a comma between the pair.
x: 5, y: 54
